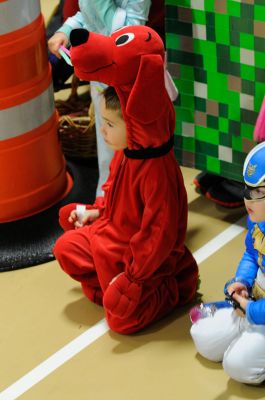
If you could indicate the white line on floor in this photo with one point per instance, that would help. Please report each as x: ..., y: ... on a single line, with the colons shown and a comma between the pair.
x: 92, y: 334
x: 220, y: 240
x: 55, y: 361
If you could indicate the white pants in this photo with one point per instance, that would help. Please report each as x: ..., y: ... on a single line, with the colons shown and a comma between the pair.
x: 105, y: 154
x: 241, y: 346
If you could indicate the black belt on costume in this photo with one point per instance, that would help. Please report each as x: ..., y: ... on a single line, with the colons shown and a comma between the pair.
x: 150, y: 152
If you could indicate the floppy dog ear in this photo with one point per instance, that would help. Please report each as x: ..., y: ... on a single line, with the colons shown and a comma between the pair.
x: 147, y: 99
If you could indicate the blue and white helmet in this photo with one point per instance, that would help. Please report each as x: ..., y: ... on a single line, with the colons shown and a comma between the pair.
x: 254, y: 166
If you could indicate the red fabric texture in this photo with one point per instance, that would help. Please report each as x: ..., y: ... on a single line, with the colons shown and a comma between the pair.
x: 140, y: 235
x: 70, y: 8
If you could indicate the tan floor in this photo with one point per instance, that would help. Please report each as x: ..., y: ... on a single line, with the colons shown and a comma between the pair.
x: 43, y: 310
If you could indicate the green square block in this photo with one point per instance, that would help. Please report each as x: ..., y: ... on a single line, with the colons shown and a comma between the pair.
x: 200, y: 104
x: 186, y: 87
x: 173, y: 41
x: 200, y: 75
x: 247, y: 131
x: 200, y: 161
x: 209, y: 5
x: 234, y: 112
x: 239, y: 158
x: 198, y: 17
x: 217, y: 86
x: 207, y: 135
x: 178, y: 127
x: 222, y: 29
x: 184, y: 3
x: 259, y: 44
x: 212, y: 122
x: 259, y: 59
x: 204, y: 47
x: 225, y: 139
x: 178, y: 155
x: 187, y: 101
x: 247, y: 11
x: 241, y: 25
x: 213, y: 165
x: 247, y: 72
x: 232, y: 171
x: 187, y: 72
x: 188, y: 144
x: 210, y: 63
x: 259, y: 13
x: 237, y: 143
x: 246, y: 41
x: 259, y: 75
x: 223, y: 110
x: 233, y: 99
x: 235, y: 54
x: 258, y: 101
x: 223, y: 125
x: 233, y: 8
x: 248, y: 87
x: 206, y: 148
x: 185, y: 114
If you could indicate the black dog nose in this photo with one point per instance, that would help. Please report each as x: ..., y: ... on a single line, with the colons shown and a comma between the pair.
x: 78, y: 36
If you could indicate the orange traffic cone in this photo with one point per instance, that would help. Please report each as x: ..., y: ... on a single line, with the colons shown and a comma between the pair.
x: 32, y: 167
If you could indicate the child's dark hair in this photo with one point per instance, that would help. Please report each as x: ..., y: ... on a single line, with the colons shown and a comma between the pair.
x: 112, y: 100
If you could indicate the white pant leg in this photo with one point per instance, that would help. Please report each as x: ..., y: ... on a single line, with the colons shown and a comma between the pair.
x: 213, y: 335
x: 244, y: 360
x: 105, y: 154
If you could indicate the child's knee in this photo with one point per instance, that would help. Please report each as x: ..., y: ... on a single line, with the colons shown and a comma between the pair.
x: 242, y: 368
x: 64, y: 246
x: 205, y: 343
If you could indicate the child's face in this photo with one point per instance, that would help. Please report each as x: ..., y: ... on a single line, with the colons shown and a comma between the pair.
x: 256, y: 209
x: 113, y: 129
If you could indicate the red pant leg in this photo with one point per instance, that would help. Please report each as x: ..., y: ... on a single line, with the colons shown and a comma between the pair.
x: 159, y: 298
x: 155, y: 303
x: 72, y: 250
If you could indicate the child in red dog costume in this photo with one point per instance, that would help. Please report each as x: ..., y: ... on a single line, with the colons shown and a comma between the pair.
x: 132, y: 258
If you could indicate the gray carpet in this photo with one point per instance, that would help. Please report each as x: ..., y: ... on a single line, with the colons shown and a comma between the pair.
x: 29, y: 242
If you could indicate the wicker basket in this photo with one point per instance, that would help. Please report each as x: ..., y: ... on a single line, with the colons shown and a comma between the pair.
x: 77, y: 135
x: 76, y: 130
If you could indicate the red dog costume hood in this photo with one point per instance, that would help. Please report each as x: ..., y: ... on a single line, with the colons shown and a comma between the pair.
x: 132, y: 61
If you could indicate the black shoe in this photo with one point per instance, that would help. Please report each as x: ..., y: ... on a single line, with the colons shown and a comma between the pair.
x: 205, y: 180
x: 227, y: 193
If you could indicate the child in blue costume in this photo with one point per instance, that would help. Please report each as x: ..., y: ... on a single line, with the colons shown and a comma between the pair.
x: 101, y: 16
x: 234, y: 337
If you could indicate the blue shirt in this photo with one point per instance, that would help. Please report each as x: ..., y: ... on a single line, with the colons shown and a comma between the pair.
x: 253, y: 260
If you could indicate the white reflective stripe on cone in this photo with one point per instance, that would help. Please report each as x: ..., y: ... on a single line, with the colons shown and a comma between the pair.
x: 16, y: 121
x: 16, y: 14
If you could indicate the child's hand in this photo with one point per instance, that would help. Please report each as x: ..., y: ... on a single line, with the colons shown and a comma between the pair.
x: 239, y: 289
x: 57, y: 40
x: 89, y: 216
x: 243, y: 304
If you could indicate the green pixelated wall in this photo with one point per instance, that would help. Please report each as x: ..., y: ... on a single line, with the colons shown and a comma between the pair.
x: 216, y: 55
